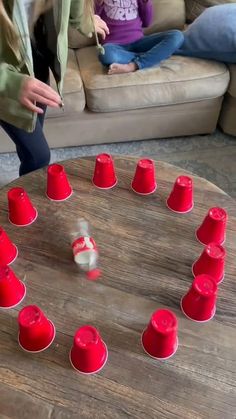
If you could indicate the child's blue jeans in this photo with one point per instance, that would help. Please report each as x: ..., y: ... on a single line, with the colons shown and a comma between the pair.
x: 146, y: 52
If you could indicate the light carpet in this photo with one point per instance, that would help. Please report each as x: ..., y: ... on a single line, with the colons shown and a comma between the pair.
x: 210, y: 156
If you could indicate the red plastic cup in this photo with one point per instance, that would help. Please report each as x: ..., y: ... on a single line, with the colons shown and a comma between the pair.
x: 181, y: 197
x: 8, y: 250
x: 213, y: 227
x: 199, y: 304
x: 58, y: 186
x: 211, y: 262
x: 89, y: 353
x: 36, y: 332
x: 21, y: 210
x: 144, y: 181
x: 12, y: 289
x: 104, y: 176
x: 160, y: 339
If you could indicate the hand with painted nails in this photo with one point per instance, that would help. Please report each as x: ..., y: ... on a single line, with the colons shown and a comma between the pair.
x: 34, y: 91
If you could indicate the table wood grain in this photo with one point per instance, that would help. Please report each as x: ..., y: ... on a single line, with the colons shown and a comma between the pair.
x: 146, y: 253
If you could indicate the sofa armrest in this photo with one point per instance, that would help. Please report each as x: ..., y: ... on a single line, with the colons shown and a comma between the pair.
x: 227, y: 117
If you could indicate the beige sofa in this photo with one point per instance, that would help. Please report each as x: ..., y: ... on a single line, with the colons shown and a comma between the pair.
x: 184, y: 96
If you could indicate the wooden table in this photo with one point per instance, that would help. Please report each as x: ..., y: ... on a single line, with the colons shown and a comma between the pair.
x: 146, y: 256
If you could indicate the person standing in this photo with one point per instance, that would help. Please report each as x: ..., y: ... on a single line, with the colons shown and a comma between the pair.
x: 33, y: 39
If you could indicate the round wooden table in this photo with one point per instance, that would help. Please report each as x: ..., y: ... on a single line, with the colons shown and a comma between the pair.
x: 146, y: 253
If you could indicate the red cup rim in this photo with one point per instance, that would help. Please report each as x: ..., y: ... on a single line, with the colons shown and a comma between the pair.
x: 109, y: 187
x: 205, y: 244
x: 193, y: 320
x: 154, y: 357
x: 43, y: 349
x: 194, y: 275
x: 144, y: 193
x: 28, y: 224
x: 19, y: 302
x: 179, y: 212
x: 59, y: 200
x: 92, y: 372
x: 15, y: 255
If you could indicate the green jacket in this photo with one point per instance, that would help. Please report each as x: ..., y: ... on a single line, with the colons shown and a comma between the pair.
x: 13, y: 70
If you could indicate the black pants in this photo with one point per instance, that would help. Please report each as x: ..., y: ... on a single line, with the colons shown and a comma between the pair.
x: 32, y: 148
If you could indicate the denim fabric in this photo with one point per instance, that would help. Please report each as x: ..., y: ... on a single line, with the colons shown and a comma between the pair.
x: 147, y: 52
x: 32, y: 148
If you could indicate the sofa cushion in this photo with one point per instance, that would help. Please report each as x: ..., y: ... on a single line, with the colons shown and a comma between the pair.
x: 212, y: 35
x: 178, y: 80
x: 73, y: 91
x: 163, y: 20
x: 195, y: 7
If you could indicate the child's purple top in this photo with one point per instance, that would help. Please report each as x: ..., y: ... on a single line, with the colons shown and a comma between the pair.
x: 125, y: 19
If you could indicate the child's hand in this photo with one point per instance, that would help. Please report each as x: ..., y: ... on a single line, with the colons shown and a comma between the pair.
x: 33, y: 90
x: 101, y: 26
